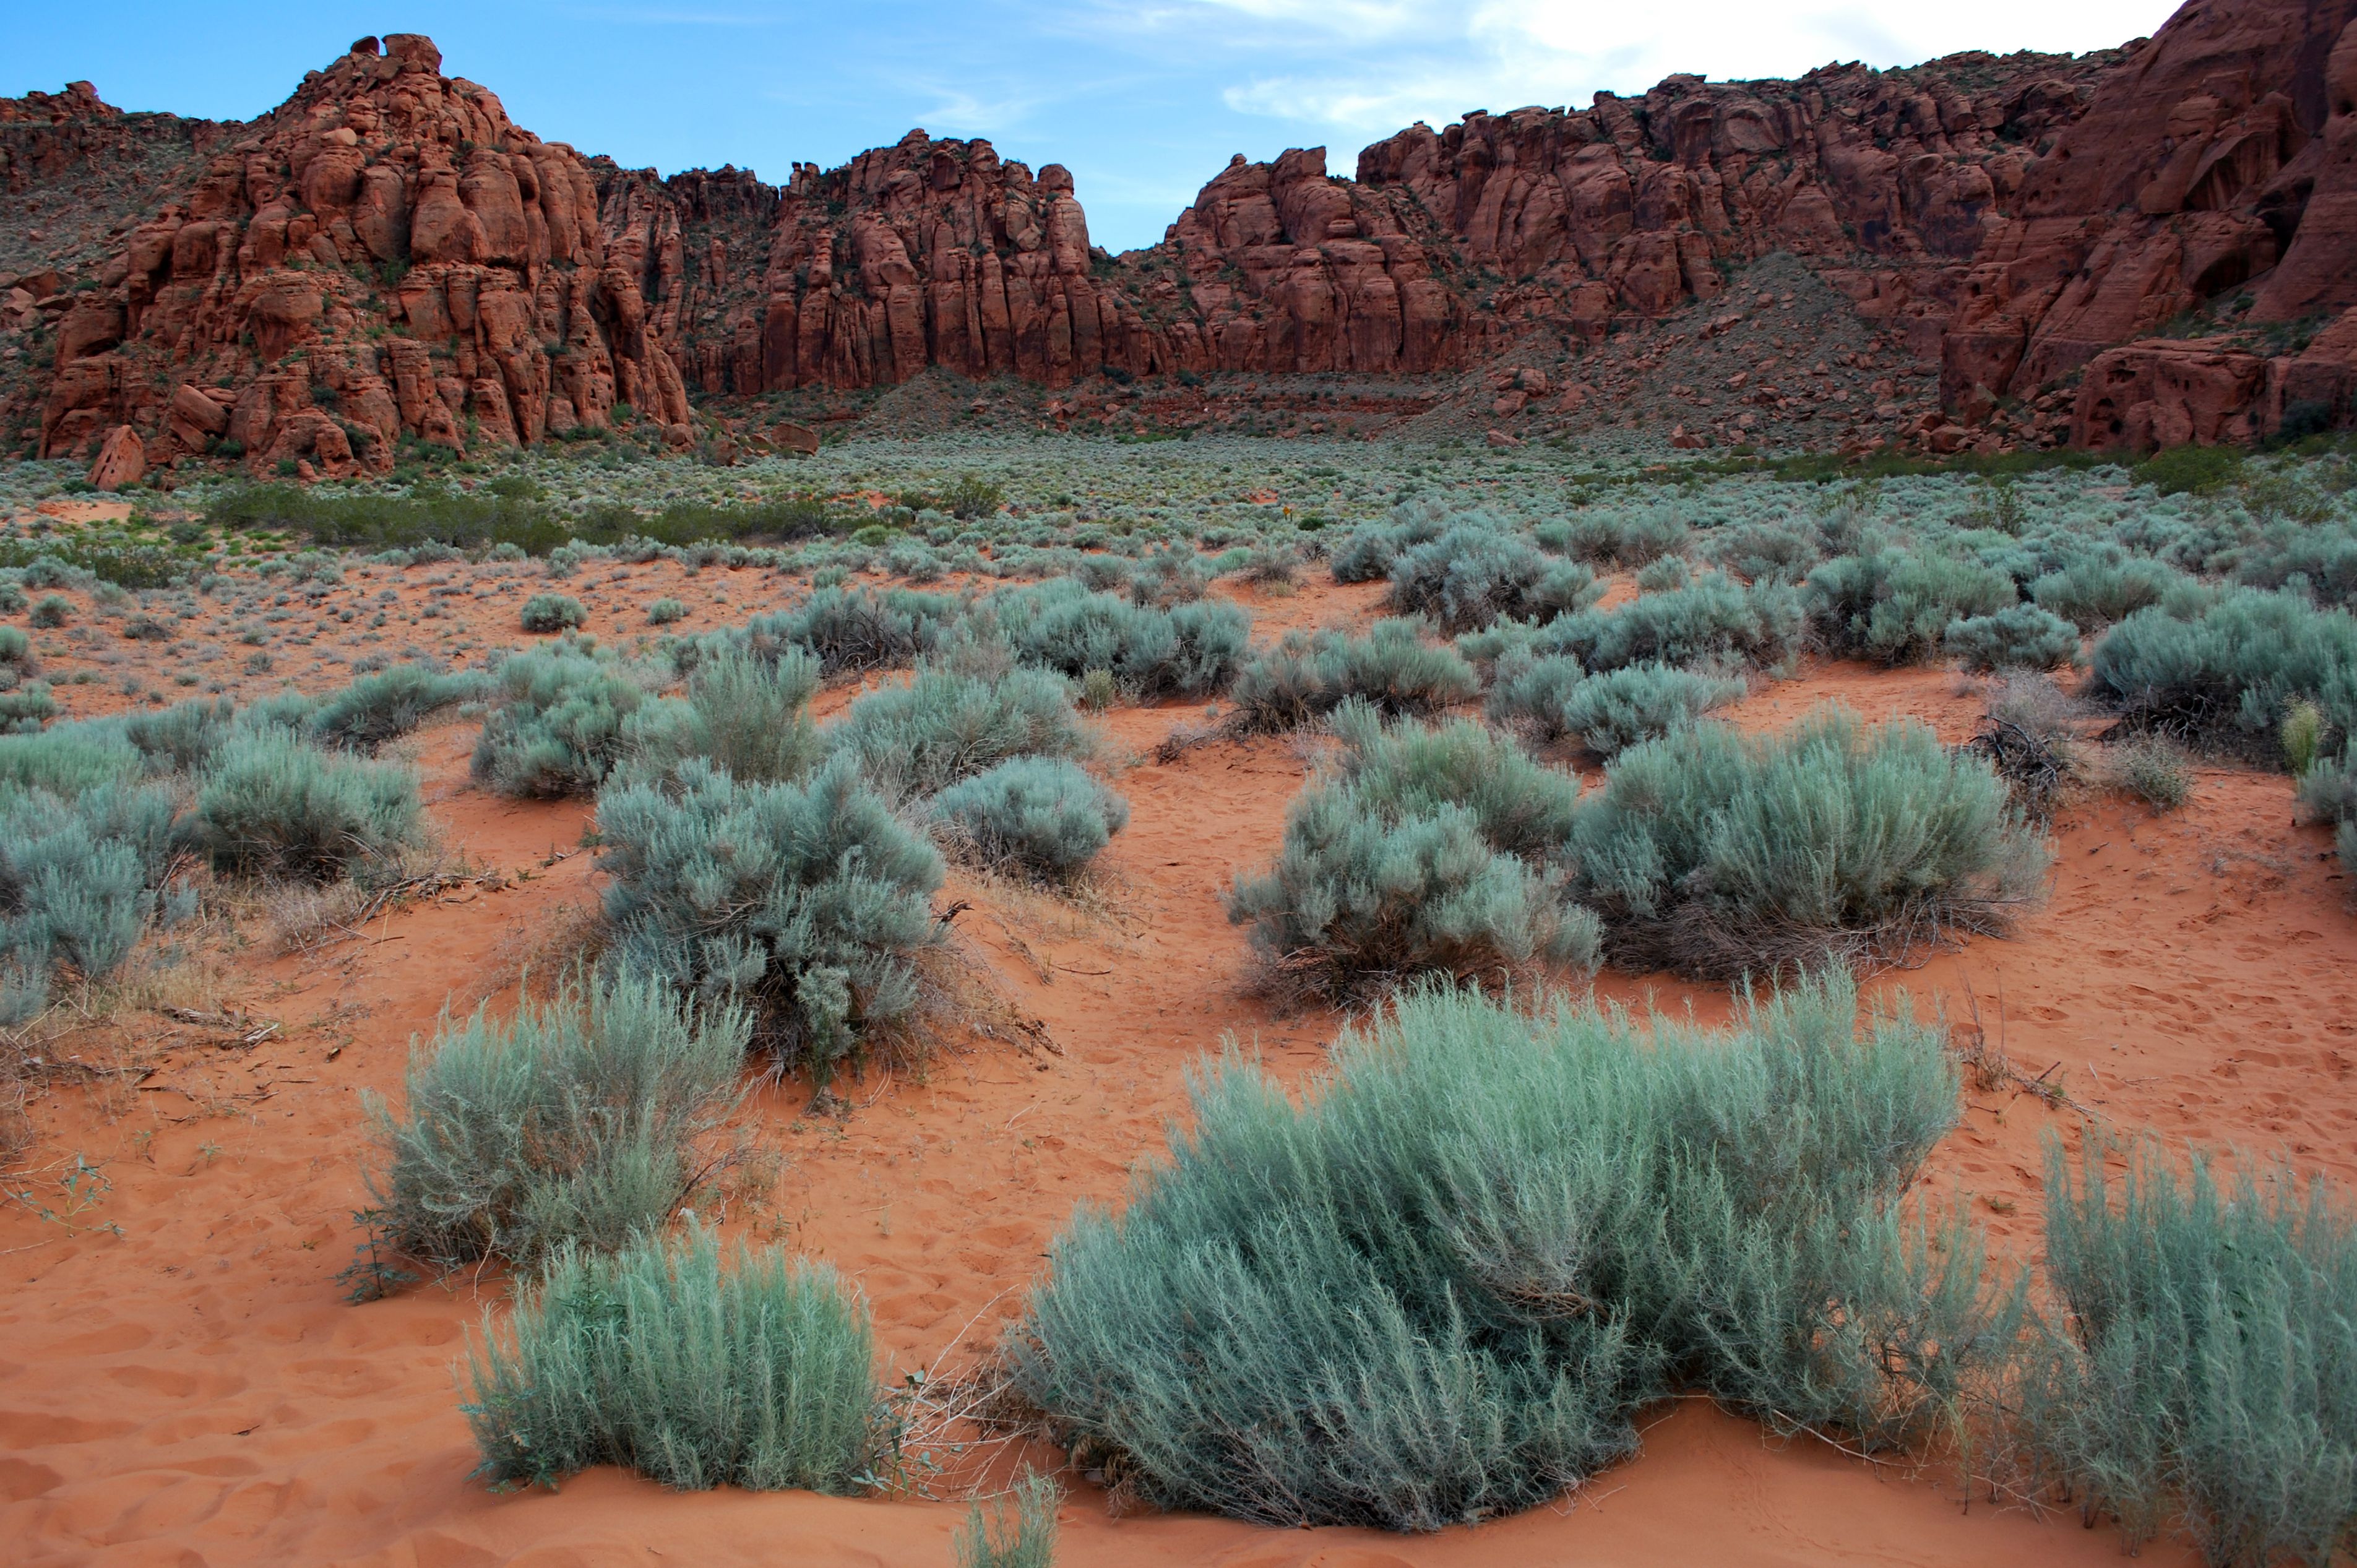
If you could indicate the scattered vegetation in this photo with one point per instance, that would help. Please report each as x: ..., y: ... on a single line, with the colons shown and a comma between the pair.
x: 1392, y: 669
x: 1044, y: 816
x: 558, y: 721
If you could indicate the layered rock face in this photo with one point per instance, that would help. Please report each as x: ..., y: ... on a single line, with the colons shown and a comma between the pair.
x: 386, y: 255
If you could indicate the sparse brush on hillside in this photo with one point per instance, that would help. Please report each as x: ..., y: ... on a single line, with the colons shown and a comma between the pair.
x: 808, y: 902
x: 2203, y: 1364
x: 1189, y: 651
x: 2223, y: 678
x: 1440, y: 1290
x: 945, y: 727
x: 558, y: 723
x: 1306, y: 676
x: 1714, y: 621
x: 755, y: 1372
x: 270, y: 805
x: 1045, y: 816
x: 747, y: 715
x: 1894, y: 605
x: 579, y: 1121
x: 1718, y: 853
x: 1419, y: 852
x: 1476, y: 574
x: 389, y: 703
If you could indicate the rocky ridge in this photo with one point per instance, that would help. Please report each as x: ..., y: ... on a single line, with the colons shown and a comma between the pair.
x: 2143, y: 247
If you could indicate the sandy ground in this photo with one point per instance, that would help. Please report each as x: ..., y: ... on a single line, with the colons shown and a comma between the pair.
x: 196, y: 1390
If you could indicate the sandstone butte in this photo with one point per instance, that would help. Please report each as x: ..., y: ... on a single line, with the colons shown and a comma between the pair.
x: 387, y: 254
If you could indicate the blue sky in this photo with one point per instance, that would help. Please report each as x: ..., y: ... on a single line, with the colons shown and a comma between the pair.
x: 1144, y: 103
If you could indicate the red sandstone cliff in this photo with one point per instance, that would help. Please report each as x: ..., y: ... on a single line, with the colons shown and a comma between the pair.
x: 386, y: 255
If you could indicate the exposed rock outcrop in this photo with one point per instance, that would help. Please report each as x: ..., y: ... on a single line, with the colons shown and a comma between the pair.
x: 2152, y: 244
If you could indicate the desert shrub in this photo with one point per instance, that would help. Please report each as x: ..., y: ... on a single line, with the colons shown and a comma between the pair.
x: 2153, y: 769
x: 1714, y: 621
x: 1619, y: 708
x: 553, y: 612
x: 2030, y: 740
x: 945, y: 727
x: 1367, y: 553
x: 69, y: 759
x: 575, y: 1122
x: 1439, y: 1289
x: 26, y: 709
x: 2302, y: 735
x: 1043, y: 815
x: 1895, y: 605
x: 1476, y: 574
x: 2191, y: 470
x: 664, y: 612
x: 2224, y: 677
x: 388, y: 704
x: 1627, y: 539
x: 1660, y: 576
x: 2328, y: 789
x: 17, y: 659
x: 1189, y: 651
x: 557, y: 724
x: 78, y: 879
x: 2202, y: 1362
x: 2021, y: 637
x: 857, y: 629
x: 269, y: 805
x: 184, y: 737
x: 1306, y: 676
x: 808, y: 902
x: 1021, y: 1537
x: 51, y: 611
x: 1529, y: 691
x: 663, y: 1360
x: 1419, y: 852
x: 1172, y: 576
x: 747, y: 715
x: 1766, y: 552
x: 2093, y: 591
x: 1718, y: 853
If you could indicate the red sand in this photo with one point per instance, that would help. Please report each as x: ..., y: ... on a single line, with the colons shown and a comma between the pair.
x: 196, y: 1390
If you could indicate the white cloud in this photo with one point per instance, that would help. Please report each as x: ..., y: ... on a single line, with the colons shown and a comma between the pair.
x: 1371, y: 66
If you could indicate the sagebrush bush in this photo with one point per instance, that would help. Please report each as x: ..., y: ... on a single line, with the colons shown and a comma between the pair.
x: 388, y: 704
x: 558, y: 723
x: 1042, y: 815
x: 2094, y: 590
x: 856, y: 629
x: 2022, y: 637
x: 1894, y: 605
x: 945, y: 727
x: 1713, y: 620
x: 1714, y: 852
x: 1438, y: 1290
x: 757, y: 1372
x: 2204, y: 1360
x: 1306, y: 676
x: 80, y: 874
x: 1476, y: 574
x: 1529, y: 691
x: 1172, y: 576
x: 2224, y: 677
x: 747, y: 715
x: 1615, y: 710
x: 270, y: 805
x: 1418, y: 852
x: 664, y: 612
x: 1766, y: 552
x: 553, y: 612
x: 808, y: 902
x: 1627, y: 539
x: 184, y: 737
x: 1189, y: 651
x: 1369, y: 552
x: 578, y: 1121
x: 2153, y: 769
x: 1023, y: 1536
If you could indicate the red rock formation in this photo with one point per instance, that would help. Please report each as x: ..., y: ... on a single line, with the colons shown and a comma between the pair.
x: 387, y: 257
x: 121, y: 460
x: 384, y: 255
